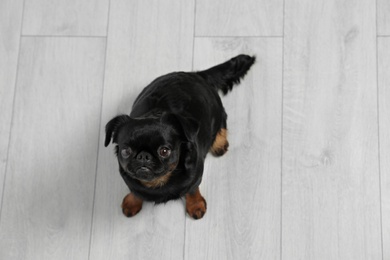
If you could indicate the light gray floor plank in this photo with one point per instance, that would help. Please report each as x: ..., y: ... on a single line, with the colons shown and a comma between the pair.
x: 66, y: 17
x: 49, y: 188
x: 384, y: 124
x: 146, y: 39
x: 10, y: 26
x: 330, y: 195
x: 242, y: 188
x: 383, y: 16
x: 239, y: 18
x: 331, y: 203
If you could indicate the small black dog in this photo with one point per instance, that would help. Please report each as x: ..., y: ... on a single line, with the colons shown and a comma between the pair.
x: 175, y: 121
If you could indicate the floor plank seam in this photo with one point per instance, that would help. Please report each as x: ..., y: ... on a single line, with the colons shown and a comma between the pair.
x: 378, y: 133
x: 234, y: 36
x: 63, y: 36
x: 194, y: 36
x: 281, y: 137
x: 12, y: 113
x: 99, y: 131
x: 192, y: 68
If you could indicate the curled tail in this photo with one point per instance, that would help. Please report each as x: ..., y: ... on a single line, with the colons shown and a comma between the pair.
x: 229, y: 73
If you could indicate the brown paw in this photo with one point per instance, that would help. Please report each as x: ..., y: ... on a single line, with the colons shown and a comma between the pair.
x: 221, y: 144
x: 221, y: 150
x: 196, y: 205
x: 131, y: 205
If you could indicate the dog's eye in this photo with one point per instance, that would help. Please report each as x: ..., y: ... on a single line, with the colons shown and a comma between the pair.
x: 164, y: 152
x: 126, y: 153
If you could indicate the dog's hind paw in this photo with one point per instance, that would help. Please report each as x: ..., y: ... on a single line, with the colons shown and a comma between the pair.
x: 221, y: 144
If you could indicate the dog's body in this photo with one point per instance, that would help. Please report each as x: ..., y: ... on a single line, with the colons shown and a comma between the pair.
x: 174, y: 123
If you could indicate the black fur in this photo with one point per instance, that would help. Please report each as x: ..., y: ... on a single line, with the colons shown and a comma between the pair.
x: 181, y: 111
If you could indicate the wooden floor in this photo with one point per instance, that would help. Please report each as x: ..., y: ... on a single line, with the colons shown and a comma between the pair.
x: 308, y: 171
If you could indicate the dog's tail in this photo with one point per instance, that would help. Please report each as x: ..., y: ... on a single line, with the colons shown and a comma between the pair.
x: 229, y: 73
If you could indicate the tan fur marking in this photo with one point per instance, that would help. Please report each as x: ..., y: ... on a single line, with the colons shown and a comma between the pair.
x: 221, y: 144
x: 157, y: 182
x: 162, y: 180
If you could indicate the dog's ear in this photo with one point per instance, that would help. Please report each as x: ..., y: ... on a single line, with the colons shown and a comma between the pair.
x: 189, y: 125
x: 113, y: 126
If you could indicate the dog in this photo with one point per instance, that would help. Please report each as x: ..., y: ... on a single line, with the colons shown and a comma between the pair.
x: 174, y: 123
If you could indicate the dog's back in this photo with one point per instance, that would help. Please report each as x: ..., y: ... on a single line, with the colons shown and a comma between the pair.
x: 195, y: 95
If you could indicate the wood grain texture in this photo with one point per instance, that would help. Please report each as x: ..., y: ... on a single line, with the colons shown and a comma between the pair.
x: 384, y: 129
x: 146, y: 39
x: 66, y: 17
x: 242, y: 188
x: 331, y: 198
x: 383, y: 16
x: 10, y: 27
x: 330, y: 202
x: 239, y: 18
x: 53, y: 150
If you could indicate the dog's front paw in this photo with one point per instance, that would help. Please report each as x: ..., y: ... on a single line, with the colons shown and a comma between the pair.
x: 197, y: 210
x: 196, y: 205
x: 131, y: 205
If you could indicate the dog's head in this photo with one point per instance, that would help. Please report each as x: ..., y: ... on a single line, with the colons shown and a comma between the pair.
x: 149, y: 149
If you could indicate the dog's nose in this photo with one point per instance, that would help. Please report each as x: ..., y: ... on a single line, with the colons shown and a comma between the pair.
x: 144, y: 157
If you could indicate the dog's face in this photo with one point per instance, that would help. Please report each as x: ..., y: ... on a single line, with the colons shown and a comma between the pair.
x: 147, y: 149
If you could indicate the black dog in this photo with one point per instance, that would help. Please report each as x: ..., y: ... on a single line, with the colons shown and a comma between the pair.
x: 175, y: 121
